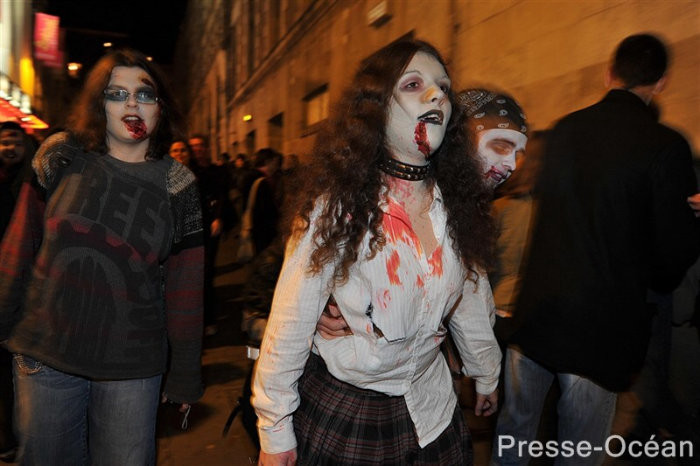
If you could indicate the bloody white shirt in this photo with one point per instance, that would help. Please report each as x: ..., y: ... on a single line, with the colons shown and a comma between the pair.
x: 395, y: 304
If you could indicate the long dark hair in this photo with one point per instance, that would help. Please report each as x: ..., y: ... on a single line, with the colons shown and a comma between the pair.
x: 344, y: 173
x: 88, y: 121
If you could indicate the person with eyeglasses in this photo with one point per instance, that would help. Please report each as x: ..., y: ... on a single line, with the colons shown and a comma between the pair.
x: 101, y: 276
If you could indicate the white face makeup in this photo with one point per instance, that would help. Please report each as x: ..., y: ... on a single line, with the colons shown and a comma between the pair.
x: 419, y: 110
x: 497, y: 149
x: 130, y: 122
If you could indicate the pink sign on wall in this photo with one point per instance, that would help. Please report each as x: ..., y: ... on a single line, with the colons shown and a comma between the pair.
x: 46, y: 37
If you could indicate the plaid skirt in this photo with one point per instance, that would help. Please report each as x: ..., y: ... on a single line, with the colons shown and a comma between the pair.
x: 340, y: 424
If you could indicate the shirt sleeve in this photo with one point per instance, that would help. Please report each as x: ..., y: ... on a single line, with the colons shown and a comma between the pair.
x: 183, y: 281
x: 471, y: 327
x: 296, y: 307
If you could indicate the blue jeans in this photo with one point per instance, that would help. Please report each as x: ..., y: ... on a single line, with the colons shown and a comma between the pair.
x: 585, y: 412
x: 64, y: 419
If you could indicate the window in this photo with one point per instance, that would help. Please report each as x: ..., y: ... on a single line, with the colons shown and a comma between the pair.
x: 316, y: 106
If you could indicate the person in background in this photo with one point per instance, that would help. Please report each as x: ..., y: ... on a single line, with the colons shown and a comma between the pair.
x: 224, y: 159
x: 240, y: 161
x: 267, y: 205
x: 213, y: 182
x: 393, y: 225
x: 513, y: 210
x: 238, y: 170
x: 180, y: 151
x: 612, y: 222
x: 16, y: 151
x: 498, y: 128
x: 101, y: 276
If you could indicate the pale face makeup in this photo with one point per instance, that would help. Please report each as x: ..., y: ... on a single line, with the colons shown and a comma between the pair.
x: 130, y: 123
x: 180, y: 152
x: 498, y: 148
x: 419, y: 110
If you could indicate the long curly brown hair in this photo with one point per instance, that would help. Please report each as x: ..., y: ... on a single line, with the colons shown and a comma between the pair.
x: 344, y: 172
x: 88, y: 121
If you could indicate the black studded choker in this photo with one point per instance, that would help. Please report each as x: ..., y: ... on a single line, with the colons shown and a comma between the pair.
x: 405, y: 171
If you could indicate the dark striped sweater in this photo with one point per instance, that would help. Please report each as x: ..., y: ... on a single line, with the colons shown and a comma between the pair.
x: 101, y: 268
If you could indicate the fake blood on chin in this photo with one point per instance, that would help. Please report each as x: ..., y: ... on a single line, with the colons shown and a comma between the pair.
x: 421, y: 137
x: 137, y: 128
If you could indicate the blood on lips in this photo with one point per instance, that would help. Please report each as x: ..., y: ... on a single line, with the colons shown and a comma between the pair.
x: 135, y: 126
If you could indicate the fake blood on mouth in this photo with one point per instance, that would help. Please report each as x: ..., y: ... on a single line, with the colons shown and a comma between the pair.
x: 421, y: 138
x: 136, y: 128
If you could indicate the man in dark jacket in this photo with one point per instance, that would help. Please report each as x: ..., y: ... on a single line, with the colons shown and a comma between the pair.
x: 613, y: 221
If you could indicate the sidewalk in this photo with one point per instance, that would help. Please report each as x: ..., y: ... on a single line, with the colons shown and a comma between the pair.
x: 224, y: 368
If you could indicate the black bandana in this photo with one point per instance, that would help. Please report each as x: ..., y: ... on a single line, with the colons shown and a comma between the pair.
x: 487, y: 110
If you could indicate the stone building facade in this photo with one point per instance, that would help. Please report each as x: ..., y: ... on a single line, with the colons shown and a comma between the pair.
x: 264, y: 73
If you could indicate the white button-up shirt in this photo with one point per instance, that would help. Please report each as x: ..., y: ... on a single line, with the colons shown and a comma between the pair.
x: 395, y: 303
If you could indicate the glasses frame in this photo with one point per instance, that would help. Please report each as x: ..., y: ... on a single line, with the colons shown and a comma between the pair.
x: 112, y: 98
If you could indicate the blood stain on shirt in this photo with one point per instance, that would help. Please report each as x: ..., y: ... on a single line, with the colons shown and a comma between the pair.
x: 419, y: 282
x: 392, y: 266
x: 435, y: 262
x: 397, y: 226
x: 383, y: 298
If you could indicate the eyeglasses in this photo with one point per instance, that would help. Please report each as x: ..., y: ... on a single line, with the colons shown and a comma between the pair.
x: 122, y: 95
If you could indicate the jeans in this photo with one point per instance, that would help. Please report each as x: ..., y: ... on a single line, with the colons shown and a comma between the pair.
x: 585, y: 412
x: 64, y: 419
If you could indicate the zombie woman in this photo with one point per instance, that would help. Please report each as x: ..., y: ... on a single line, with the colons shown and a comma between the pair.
x: 393, y: 227
x: 102, y: 276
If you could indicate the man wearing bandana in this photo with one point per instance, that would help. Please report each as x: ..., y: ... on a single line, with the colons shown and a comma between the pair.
x: 497, y: 126
x: 613, y: 221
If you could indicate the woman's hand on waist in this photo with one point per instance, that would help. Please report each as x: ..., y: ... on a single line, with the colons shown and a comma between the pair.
x: 332, y: 325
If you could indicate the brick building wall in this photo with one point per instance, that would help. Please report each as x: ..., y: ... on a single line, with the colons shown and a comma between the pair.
x: 281, y: 62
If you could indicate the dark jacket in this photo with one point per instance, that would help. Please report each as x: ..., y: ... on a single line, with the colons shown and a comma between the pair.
x: 613, y: 221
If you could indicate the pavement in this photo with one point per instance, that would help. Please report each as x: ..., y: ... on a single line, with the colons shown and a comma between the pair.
x: 224, y: 369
